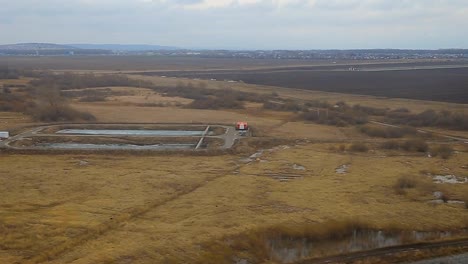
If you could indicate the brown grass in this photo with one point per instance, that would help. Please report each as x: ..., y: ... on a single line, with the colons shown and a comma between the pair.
x: 134, y: 192
x: 170, y: 208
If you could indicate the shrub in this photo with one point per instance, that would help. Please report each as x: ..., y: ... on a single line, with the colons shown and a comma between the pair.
x: 387, y: 132
x: 80, y: 81
x: 52, y: 107
x: 445, y: 119
x: 202, y: 93
x: 287, y: 106
x: 392, y: 144
x: 417, y: 145
x: 15, y: 102
x: 318, y: 104
x: 93, y: 98
x: 444, y: 151
x: 342, y: 147
x: 370, y: 110
x: 358, y: 147
x: 6, y: 90
x: 445, y: 197
x: 335, y: 118
x: 401, y: 110
x: 403, y: 183
x: 216, y: 103
x: 59, y: 114
x: 465, y: 199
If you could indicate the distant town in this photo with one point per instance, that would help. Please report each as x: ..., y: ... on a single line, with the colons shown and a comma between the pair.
x: 47, y: 49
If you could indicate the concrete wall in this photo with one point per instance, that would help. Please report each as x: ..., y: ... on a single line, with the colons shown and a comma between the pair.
x: 4, y: 134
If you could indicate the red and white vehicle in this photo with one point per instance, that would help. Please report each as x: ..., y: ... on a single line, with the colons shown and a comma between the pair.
x: 242, y: 126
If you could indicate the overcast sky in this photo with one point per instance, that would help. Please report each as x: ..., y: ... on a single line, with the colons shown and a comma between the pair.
x: 240, y: 24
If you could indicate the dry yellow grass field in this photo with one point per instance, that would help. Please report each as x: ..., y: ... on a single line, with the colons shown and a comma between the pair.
x: 20, y: 81
x: 13, y: 121
x: 54, y: 201
x: 137, y: 96
x: 136, y: 114
x: 130, y: 208
x: 160, y: 209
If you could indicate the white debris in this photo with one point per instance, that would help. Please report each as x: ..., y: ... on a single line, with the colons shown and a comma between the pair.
x: 438, y: 195
x: 83, y: 163
x: 256, y: 155
x: 343, y: 169
x: 451, y: 179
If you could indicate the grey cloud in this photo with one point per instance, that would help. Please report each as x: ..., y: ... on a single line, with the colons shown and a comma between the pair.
x: 298, y: 24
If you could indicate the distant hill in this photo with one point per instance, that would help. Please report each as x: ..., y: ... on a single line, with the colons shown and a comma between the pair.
x: 51, y: 49
x: 47, y: 49
x: 123, y: 47
x: 36, y: 46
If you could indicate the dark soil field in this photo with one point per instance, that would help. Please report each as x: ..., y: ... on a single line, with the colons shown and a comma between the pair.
x: 144, y: 63
x: 435, y: 80
x: 448, y: 85
x: 174, y: 63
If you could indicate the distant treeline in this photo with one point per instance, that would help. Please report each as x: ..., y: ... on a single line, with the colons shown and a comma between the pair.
x: 430, y: 118
x: 342, y: 114
x: 67, y: 81
x: 8, y: 73
x: 51, y: 52
x: 41, y: 99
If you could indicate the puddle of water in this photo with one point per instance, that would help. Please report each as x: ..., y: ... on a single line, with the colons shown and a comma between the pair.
x: 451, y: 179
x: 298, y: 167
x: 131, y: 132
x: 115, y: 146
x: 288, y: 250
